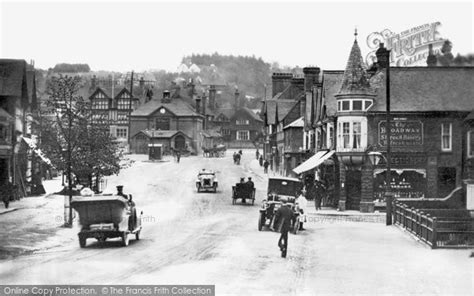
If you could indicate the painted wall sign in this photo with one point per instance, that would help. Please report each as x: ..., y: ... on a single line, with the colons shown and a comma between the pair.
x: 408, y: 48
x: 404, y: 133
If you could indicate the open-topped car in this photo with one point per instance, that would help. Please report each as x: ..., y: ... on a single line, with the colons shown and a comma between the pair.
x: 280, y: 188
x: 107, y: 216
x: 206, y: 181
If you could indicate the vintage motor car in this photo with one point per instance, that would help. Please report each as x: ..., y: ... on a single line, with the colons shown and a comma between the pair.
x: 206, y: 181
x: 280, y: 188
x: 107, y: 216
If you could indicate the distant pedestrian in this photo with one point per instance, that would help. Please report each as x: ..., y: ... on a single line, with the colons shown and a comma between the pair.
x: 260, y: 160
x: 7, y: 194
x: 178, y: 156
x: 257, y: 154
x: 320, y: 189
x: 265, y: 166
x: 283, y: 217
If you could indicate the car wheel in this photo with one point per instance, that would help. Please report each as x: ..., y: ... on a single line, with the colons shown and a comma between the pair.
x: 125, y: 239
x: 82, y: 241
x: 137, y: 235
x: 261, y: 221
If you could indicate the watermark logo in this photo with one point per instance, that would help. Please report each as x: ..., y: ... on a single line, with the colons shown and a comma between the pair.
x: 408, y: 48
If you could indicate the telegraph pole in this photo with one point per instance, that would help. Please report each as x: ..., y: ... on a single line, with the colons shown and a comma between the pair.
x: 130, y: 111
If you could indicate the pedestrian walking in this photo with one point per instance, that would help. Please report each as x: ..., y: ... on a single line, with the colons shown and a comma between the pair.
x: 7, y: 194
x: 302, y: 204
x: 283, y: 218
x: 320, y: 192
x: 178, y: 156
x: 260, y: 160
x: 265, y: 166
x: 257, y: 154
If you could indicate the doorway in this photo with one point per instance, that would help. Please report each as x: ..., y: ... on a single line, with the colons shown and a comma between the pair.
x: 353, y: 189
x: 179, y: 142
x: 446, y: 181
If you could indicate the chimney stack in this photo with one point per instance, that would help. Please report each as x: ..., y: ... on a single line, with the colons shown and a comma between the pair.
x: 142, y: 82
x: 280, y: 81
x: 198, y: 104
x: 236, y: 98
x: 432, y: 61
x: 166, y: 96
x: 311, y: 77
x: 381, y: 54
x: 212, y: 97
x: 94, y: 82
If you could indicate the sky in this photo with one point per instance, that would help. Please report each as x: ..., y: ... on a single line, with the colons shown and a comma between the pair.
x: 126, y: 35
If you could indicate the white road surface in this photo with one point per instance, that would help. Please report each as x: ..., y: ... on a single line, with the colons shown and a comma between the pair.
x: 201, y: 238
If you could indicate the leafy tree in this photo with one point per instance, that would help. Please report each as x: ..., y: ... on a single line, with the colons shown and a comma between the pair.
x: 71, y: 139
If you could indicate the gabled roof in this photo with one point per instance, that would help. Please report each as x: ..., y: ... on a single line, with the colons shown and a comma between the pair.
x: 331, y: 84
x: 177, y: 106
x: 278, y: 109
x: 252, y: 114
x: 298, y: 123
x: 159, y: 134
x: 12, y: 77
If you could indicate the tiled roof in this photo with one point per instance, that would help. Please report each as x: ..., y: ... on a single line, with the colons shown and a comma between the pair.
x: 12, y: 75
x: 331, y: 86
x: 278, y: 109
x: 420, y: 89
x: 355, y: 79
x: 211, y: 133
x: 428, y: 89
x: 177, y: 106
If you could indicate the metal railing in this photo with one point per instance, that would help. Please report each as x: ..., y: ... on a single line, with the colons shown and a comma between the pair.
x: 437, y: 227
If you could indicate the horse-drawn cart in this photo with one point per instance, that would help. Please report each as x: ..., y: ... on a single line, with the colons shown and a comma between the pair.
x: 106, y: 216
x: 244, y: 192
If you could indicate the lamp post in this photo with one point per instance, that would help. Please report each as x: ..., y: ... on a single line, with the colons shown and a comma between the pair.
x: 383, y: 59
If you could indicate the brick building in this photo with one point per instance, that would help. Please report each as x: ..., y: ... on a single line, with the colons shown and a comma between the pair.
x: 432, y: 124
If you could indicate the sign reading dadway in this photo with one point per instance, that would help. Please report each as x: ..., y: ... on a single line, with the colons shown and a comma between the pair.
x: 403, y: 133
x: 409, y: 47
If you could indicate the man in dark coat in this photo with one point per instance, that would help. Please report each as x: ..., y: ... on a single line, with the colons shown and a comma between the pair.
x: 283, y: 217
x: 265, y: 166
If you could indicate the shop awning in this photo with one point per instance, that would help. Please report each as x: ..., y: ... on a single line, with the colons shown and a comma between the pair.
x: 313, y: 162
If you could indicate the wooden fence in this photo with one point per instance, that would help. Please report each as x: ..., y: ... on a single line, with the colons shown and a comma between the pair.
x: 439, y: 228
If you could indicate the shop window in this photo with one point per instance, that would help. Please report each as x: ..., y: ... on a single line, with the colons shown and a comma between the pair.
x: 446, y: 136
x: 470, y: 144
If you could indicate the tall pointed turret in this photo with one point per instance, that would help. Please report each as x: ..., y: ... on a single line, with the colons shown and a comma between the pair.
x: 355, y: 79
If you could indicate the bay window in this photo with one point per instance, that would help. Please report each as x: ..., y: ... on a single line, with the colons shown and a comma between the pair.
x: 351, y: 133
